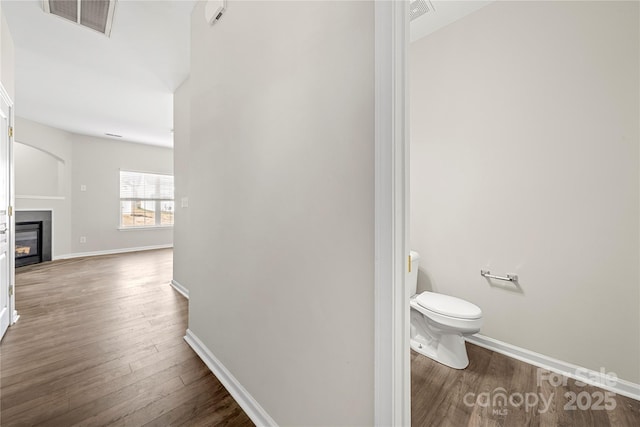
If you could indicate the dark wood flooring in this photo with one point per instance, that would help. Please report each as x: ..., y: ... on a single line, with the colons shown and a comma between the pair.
x: 442, y: 396
x: 100, y: 342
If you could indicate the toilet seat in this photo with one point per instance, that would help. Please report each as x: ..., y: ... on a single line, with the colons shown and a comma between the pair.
x: 449, y: 306
x: 449, y: 322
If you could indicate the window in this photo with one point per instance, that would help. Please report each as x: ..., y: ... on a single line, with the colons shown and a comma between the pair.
x: 146, y: 200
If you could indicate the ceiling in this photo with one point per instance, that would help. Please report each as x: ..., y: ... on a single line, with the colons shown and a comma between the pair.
x: 76, y: 79
x: 444, y: 13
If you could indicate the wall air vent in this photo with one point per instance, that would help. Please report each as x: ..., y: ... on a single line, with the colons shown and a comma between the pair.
x: 418, y: 8
x: 94, y: 14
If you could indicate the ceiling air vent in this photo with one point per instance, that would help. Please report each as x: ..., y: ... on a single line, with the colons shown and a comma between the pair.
x: 418, y: 8
x: 94, y: 14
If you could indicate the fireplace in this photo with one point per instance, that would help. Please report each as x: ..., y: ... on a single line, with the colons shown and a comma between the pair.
x: 33, y: 237
x: 28, y: 243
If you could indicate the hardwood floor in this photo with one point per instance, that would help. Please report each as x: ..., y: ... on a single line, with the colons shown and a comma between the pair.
x: 442, y: 396
x: 99, y: 342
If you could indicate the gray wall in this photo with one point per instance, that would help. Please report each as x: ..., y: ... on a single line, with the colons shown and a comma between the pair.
x: 181, y: 126
x: 94, y: 162
x: 524, y: 159
x: 281, y: 188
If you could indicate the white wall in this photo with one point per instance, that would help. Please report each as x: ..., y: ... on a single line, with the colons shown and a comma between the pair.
x: 58, y: 143
x: 96, y: 212
x: 181, y: 127
x: 94, y: 162
x: 38, y: 173
x: 524, y: 159
x: 7, y: 59
x: 281, y: 187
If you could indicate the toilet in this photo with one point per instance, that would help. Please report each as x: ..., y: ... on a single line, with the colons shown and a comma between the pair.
x: 440, y: 322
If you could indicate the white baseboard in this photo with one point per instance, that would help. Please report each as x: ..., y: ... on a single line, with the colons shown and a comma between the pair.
x: 111, y: 251
x: 250, y: 406
x: 587, y: 376
x: 181, y: 289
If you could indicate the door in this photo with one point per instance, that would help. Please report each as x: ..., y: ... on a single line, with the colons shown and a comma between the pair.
x: 5, y: 220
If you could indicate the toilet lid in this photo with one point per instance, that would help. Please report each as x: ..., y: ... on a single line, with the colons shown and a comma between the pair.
x: 449, y: 306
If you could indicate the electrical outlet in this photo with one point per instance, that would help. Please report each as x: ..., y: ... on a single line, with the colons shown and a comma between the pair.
x: 83, y: 239
x: 83, y: 187
x: 185, y: 202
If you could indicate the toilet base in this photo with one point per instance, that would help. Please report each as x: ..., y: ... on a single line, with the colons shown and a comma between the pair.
x: 443, y: 344
x: 450, y: 350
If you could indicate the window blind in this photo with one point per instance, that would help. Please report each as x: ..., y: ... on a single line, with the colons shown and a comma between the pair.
x: 145, y: 186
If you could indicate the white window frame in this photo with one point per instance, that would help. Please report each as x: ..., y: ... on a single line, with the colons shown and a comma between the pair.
x: 157, y: 204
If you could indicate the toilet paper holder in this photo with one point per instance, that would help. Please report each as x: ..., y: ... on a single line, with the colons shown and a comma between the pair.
x: 508, y: 277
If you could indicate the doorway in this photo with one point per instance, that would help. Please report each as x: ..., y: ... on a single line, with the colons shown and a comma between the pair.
x: 6, y: 214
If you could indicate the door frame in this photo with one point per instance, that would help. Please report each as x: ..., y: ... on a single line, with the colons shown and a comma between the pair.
x: 392, y: 379
x: 13, y: 313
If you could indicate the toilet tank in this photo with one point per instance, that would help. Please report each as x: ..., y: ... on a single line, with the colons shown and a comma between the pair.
x: 412, y: 276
